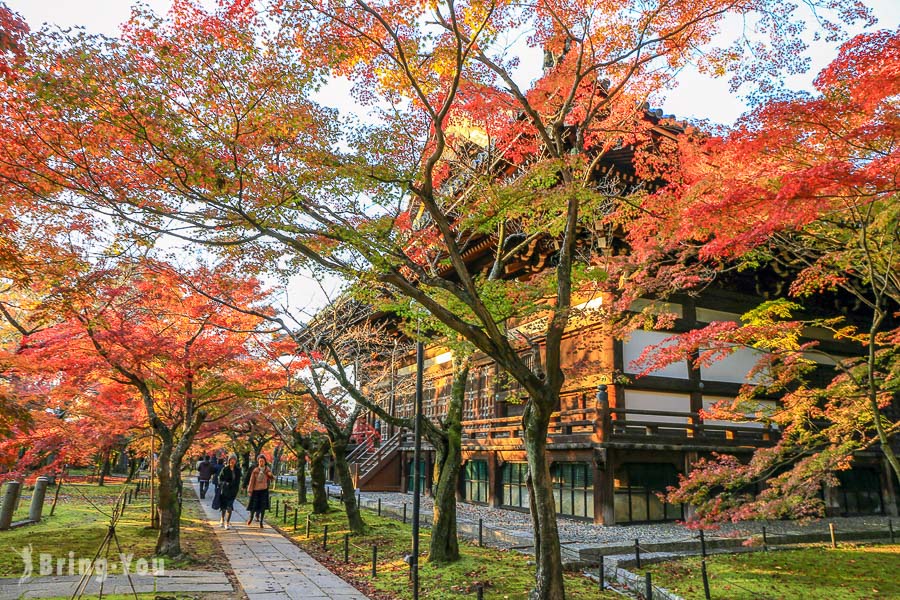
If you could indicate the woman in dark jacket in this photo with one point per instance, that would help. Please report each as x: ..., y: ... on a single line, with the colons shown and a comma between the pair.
x: 229, y: 484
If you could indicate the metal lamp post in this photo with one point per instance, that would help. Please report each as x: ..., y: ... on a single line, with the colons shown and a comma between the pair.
x: 417, y: 484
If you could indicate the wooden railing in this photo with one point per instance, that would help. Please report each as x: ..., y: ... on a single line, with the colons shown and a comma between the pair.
x: 376, y: 457
x: 622, y: 424
x: 669, y: 425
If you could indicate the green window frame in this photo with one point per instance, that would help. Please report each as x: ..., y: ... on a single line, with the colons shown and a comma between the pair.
x: 573, y: 489
x: 638, y: 502
x: 475, y: 481
x: 515, y: 490
x: 409, y: 476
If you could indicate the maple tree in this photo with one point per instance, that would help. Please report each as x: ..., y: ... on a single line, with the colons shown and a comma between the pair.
x: 458, y: 150
x: 183, y: 359
x: 292, y: 420
x: 805, y: 184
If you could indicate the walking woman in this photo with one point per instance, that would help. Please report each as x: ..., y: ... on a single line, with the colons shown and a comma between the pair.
x: 229, y: 485
x: 258, y: 488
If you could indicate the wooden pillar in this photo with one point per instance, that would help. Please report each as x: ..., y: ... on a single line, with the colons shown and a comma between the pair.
x: 604, y: 486
x: 495, y: 483
x: 404, y: 472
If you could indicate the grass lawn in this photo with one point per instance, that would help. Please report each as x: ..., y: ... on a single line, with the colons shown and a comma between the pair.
x: 79, y: 527
x: 846, y: 573
x: 504, y: 574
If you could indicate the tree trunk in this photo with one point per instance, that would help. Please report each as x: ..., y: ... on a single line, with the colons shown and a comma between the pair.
x: 549, y: 575
x: 103, y: 469
x: 133, y: 464
x: 276, y: 459
x: 348, y: 491
x: 245, y: 468
x: 448, y: 461
x: 317, y: 474
x: 168, y: 541
x: 301, y: 477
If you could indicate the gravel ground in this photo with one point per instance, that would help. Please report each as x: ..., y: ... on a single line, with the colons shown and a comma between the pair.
x: 580, y: 532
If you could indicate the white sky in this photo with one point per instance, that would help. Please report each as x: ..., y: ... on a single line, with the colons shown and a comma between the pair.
x: 697, y: 97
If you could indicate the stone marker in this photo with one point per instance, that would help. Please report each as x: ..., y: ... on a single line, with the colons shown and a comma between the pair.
x: 37, y: 499
x: 9, y: 503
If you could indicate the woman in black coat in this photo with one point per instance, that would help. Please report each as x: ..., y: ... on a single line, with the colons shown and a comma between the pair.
x: 229, y: 484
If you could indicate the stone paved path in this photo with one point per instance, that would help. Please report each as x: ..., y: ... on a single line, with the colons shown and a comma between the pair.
x: 271, y: 567
x: 172, y: 581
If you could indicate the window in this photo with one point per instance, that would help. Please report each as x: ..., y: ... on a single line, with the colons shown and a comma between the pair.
x: 860, y: 492
x: 515, y: 492
x: 475, y: 481
x: 573, y: 489
x: 637, y: 486
x: 410, y: 482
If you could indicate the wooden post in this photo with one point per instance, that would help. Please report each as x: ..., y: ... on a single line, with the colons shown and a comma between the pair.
x: 379, y: 507
x: 325, y: 538
x: 637, y: 554
x: 765, y: 540
x: 648, y: 583
x: 480, y: 533
x: 307, y: 526
x: 601, y: 574
x: 295, y: 518
x: 702, y: 544
x: 59, y: 485
x: 831, y: 530
x: 705, y: 580
x: 374, y: 561
x: 346, y: 548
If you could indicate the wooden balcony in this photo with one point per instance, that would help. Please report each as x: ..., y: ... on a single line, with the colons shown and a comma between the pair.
x: 618, y: 427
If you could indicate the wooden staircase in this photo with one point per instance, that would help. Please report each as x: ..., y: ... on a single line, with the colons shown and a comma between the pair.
x: 366, y: 461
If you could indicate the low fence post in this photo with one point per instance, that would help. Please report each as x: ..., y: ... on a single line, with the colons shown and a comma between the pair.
x: 379, y: 507
x: 295, y: 518
x: 702, y: 544
x: 705, y: 580
x: 307, y: 526
x: 404, y: 512
x: 831, y: 531
x: 374, y: 561
x: 648, y: 585
x: 601, y: 574
x: 479, y: 592
x: 284, y: 514
x: 276, y: 507
x: 891, y: 529
x: 480, y: 533
x: 346, y: 547
x: 765, y: 540
x: 637, y: 554
x: 325, y: 538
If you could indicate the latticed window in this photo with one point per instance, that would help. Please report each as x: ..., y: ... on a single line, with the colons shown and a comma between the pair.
x: 410, y: 482
x: 478, y: 403
x: 860, y: 492
x: 573, y: 489
x: 439, y: 398
x: 515, y: 490
x: 637, y: 489
x: 475, y: 481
